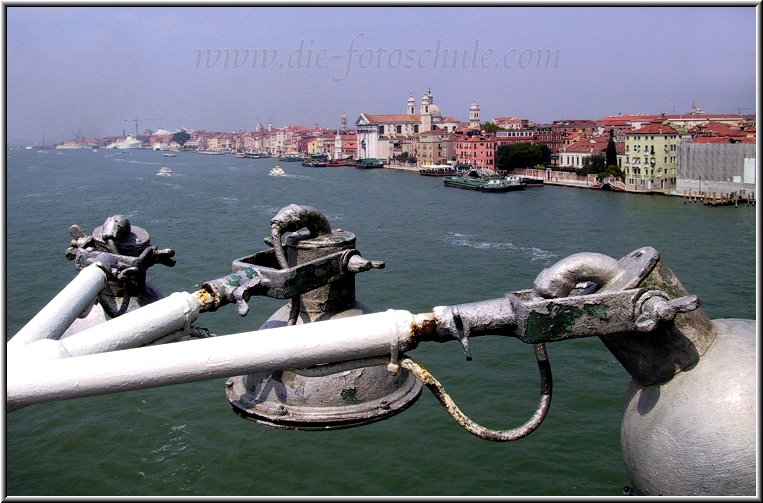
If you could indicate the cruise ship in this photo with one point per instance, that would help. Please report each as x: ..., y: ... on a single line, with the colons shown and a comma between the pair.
x: 128, y: 142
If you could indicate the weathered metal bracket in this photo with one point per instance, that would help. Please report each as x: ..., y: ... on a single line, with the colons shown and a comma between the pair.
x: 259, y: 274
x: 122, y: 267
x: 536, y: 320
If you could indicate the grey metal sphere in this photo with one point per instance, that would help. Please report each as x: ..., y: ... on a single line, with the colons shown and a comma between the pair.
x: 696, y: 434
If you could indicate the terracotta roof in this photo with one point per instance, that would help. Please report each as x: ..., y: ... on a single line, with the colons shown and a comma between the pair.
x: 717, y: 129
x: 630, y: 118
x: 586, y: 146
x: 380, y: 118
x: 654, y: 129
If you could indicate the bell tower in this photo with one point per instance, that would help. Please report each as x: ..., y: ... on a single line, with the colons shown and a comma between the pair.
x: 474, y: 116
x: 426, y: 114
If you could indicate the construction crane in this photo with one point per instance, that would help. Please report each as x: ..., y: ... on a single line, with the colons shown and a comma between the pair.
x: 137, y: 120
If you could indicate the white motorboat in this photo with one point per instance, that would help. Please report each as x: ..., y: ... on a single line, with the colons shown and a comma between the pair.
x: 277, y: 171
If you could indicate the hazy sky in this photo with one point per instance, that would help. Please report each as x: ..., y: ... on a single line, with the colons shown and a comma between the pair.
x: 94, y: 69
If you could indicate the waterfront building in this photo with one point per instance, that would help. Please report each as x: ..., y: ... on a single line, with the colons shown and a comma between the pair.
x: 477, y: 150
x: 576, y: 154
x: 323, y: 144
x: 434, y: 147
x: 651, y: 157
x: 221, y: 142
x: 252, y: 141
x: 547, y: 135
x: 717, y: 164
x: 383, y: 136
x: 345, y: 144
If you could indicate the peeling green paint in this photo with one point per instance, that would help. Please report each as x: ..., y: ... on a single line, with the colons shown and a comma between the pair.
x: 554, y: 325
x: 350, y: 395
x: 560, y: 321
x: 600, y: 311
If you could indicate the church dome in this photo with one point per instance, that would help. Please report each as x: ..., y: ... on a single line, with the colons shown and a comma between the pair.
x: 435, y: 110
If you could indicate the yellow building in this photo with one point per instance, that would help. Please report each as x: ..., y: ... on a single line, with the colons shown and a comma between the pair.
x: 650, y: 157
x: 434, y: 147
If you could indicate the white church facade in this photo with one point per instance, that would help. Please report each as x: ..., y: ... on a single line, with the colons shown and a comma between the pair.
x: 381, y: 136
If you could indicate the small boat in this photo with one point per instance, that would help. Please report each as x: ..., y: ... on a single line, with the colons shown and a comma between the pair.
x: 474, y: 180
x: 291, y: 157
x: 210, y: 152
x: 369, y: 163
x: 316, y: 161
x: 503, y: 184
x: 169, y: 154
x: 440, y: 170
x: 251, y: 155
x: 277, y: 171
x: 164, y: 171
x: 340, y: 162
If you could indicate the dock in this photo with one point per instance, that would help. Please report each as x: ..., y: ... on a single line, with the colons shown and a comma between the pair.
x: 719, y: 198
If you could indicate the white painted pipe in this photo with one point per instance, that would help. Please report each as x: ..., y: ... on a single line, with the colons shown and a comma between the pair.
x: 53, y: 320
x: 274, y: 349
x: 131, y: 330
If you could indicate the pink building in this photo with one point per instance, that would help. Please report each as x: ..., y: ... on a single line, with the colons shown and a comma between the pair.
x: 477, y: 150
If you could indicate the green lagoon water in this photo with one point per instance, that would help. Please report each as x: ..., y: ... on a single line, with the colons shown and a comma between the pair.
x: 440, y: 245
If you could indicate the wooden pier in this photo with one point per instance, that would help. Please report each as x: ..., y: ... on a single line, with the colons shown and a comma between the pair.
x: 719, y: 198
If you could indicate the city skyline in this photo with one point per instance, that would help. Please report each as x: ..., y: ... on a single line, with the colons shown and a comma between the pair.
x: 97, y: 69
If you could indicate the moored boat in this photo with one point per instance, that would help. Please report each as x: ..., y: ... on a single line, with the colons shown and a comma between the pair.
x: 128, y: 143
x: 502, y: 184
x: 164, y: 171
x: 369, y: 163
x: 474, y: 180
x: 340, y: 162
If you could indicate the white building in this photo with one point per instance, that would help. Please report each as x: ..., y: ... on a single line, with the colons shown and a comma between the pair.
x: 381, y: 136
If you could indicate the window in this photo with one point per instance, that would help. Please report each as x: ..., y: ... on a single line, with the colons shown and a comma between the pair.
x: 398, y: 129
x: 415, y: 128
x: 381, y: 129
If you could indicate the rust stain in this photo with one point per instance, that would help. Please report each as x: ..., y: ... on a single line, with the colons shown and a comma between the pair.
x: 424, y: 329
x: 207, y: 299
